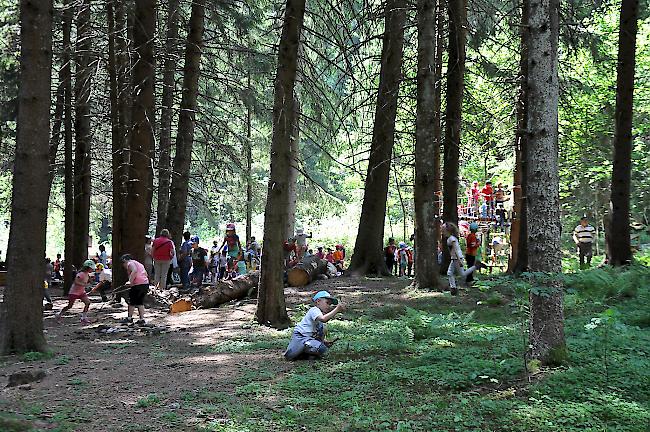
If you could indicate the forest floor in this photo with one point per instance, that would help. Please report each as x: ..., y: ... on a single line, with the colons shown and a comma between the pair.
x: 406, y: 360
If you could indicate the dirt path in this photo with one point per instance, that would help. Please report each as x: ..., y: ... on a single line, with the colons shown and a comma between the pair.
x: 137, y: 379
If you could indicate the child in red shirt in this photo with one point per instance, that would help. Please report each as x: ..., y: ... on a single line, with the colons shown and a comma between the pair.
x: 471, y: 251
x: 488, y: 195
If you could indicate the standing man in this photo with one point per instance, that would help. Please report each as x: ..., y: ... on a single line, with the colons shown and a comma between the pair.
x: 185, y: 259
x: 583, y: 236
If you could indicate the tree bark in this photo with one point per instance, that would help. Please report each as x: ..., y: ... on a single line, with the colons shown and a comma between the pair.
x: 305, y: 271
x: 67, y: 149
x: 518, y: 231
x: 141, y: 138
x: 542, y: 194
x: 187, y: 117
x: 249, y: 161
x: 55, y: 136
x: 368, y: 257
x: 83, y: 134
x: 437, y: 101
x: 619, y: 237
x: 167, y: 114
x: 22, y: 315
x: 455, y: 86
x: 426, y: 220
x: 292, y: 181
x: 119, y: 77
x: 271, y: 308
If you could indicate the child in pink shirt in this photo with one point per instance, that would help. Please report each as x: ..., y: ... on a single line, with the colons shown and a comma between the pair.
x: 139, y: 282
x: 78, y: 291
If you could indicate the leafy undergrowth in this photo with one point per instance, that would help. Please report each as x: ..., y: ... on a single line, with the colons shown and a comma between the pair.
x: 454, y: 365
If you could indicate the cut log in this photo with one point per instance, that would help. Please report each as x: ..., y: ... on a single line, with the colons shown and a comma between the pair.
x: 210, y: 296
x: 306, y: 271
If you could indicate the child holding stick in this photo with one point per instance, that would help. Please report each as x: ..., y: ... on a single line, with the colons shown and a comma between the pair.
x: 139, y: 282
x: 78, y: 291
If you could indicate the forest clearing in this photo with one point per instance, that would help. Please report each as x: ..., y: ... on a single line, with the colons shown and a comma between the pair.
x: 297, y: 215
x: 459, y: 366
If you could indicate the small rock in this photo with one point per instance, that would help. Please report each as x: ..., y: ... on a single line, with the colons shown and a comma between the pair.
x: 25, y: 377
x: 174, y: 405
x: 25, y: 387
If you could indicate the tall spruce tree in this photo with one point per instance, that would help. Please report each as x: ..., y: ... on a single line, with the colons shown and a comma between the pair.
x: 368, y: 257
x: 21, y: 315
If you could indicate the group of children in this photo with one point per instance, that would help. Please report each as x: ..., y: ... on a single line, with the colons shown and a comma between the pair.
x: 296, y: 248
x: 399, y: 258
x: 402, y: 256
x: 138, y: 287
x: 486, y: 202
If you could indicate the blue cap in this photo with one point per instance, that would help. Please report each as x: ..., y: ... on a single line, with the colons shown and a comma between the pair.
x: 473, y: 226
x: 195, y: 239
x: 325, y: 295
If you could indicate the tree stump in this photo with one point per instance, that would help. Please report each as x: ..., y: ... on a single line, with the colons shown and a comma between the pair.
x: 306, y: 271
x: 210, y: 296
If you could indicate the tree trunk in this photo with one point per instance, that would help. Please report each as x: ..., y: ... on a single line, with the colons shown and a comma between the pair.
x: 141, y: 138
x: 542, y: 194
x: 305, y: 271
x: 185, y: 136
x: 83, y: 134
x: 55, y: 136
x: 22, y: 314
x: 68, y: 253
x: 455, y: 87
x: 167, y: 114
x: 518, y: 231
x: 426, y: 220
x: 214, y: 295
x: 249, y: 162
x: 437, y: 101
x: 368, y: 257
x: 292, y: 182
x: 271, y: 308
x: 119, y: 77
x: 619, y: 246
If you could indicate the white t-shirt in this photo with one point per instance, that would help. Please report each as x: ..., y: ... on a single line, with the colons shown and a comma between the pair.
x: 454, y: 248
x: 106, y: 275
x: 309, y: 325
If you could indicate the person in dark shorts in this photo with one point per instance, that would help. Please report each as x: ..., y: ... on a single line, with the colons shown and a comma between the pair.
x: 139, y: 282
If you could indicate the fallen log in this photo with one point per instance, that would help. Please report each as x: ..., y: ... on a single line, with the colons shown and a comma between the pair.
x: 306, y: 271
x: 210, y: 296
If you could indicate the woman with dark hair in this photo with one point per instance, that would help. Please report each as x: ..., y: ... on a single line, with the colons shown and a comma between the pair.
x: 139, y: 283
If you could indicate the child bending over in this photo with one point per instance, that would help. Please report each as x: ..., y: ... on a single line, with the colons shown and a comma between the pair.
x: 308, y: 339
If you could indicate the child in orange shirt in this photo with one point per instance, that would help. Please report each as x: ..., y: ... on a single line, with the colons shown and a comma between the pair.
x: 338, y: 257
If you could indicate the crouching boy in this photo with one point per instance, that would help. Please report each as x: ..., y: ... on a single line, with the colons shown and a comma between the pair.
x: 308, y: 339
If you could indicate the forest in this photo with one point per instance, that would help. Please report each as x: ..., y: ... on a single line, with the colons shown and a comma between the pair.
x: 254, y: 215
